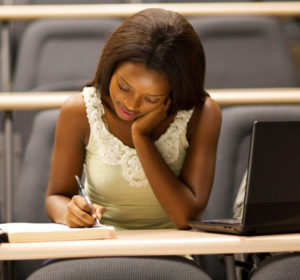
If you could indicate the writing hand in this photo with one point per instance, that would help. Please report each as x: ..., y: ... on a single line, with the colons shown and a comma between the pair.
x: 80, y: 214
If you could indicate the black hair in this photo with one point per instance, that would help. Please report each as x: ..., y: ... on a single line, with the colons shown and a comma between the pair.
x: 164, y: 41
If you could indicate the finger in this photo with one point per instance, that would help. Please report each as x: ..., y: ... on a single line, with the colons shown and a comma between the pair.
x: 78, y: 215
x: 99, y: 208
x: 82, y: 218
x: 82, y: 203
x: 75, y: 222
x: 99, y: 211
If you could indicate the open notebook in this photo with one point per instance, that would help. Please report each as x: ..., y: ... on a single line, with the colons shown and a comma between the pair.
x: 272, y: 197
x: 39, y: 232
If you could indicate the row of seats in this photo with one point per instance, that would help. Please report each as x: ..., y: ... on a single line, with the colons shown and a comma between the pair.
x: 62, y: 55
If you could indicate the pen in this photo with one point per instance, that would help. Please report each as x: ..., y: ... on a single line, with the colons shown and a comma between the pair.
x: 84, y: 194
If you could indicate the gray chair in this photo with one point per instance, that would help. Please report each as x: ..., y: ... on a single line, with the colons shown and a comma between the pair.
x: 120, y: 268
x: 60, y: 51
x: 232, y: 161
x: 29, y: 207
x: 278, y: 267
x: 246, y: 52
x: 19, y: 27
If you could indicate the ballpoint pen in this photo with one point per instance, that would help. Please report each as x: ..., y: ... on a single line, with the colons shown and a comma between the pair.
x: 84, y: 194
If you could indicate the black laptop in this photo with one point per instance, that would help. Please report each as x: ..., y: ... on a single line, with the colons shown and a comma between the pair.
x: 272, y: 198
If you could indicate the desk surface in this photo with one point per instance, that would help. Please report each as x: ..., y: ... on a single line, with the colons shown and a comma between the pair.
x: 28, y: 12
x: 152, y: 242
x: 225, y: 97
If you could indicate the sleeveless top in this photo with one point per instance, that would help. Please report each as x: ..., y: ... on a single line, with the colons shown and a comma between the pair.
x: 114, y: 175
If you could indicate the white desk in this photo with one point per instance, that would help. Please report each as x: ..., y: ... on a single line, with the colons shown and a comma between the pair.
x: 152, y: 242
x: 225, y: 97
x: 29, y: 12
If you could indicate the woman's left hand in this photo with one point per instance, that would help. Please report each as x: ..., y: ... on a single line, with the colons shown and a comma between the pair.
x: 144, y: 126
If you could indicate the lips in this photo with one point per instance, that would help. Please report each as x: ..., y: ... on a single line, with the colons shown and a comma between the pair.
x: 127, y: 113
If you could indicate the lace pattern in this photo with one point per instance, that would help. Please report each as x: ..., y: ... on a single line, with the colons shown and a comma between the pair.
x: 113, y: 151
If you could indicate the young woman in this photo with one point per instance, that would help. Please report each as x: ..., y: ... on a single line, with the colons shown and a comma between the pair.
x: 144, y: 131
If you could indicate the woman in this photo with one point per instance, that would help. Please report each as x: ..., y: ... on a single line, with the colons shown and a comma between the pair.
x: 144, y: 131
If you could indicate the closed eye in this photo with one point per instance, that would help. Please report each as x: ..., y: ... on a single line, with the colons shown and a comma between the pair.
x: 151, y: 100
x: 123, y: 88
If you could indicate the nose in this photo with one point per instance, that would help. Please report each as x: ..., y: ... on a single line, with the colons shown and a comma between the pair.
x: 133, y: 103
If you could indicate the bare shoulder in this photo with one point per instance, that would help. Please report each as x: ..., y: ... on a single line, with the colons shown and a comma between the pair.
x: 206, y: 118
x: 73, y: 109
x: 74, y: 104
x: 73, y: 113
x: 211, y: 108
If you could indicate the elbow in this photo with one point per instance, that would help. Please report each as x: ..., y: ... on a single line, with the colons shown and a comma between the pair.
x: 182, y: 221
x: 182, y: 226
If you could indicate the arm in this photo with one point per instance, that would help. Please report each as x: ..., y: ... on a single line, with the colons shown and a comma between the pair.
x: 186, y: 197
x: 63, y: 204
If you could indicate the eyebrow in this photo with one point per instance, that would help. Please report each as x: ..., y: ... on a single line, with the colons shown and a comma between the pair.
x: 154, y: 95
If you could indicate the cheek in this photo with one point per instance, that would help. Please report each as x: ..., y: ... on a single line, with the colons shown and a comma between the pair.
x: 114, y: 92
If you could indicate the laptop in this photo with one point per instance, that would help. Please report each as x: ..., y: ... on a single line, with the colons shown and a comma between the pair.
x: 272, y: 198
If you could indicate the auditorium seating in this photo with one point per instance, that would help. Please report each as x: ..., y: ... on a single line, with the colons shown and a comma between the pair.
x: 61, y: 54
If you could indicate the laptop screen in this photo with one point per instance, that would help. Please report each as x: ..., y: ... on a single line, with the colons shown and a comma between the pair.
x: 273, y: 193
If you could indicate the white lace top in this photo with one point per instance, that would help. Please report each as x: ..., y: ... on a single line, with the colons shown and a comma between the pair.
x: 114, y: 174
x: 113, y: 151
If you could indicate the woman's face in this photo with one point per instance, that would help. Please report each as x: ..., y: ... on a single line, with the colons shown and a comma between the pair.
x: 136, y: 90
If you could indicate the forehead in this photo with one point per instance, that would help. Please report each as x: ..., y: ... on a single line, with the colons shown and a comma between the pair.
x: 138, y: 75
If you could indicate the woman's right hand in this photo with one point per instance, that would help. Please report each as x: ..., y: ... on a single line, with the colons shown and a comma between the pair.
x: 80, y: 214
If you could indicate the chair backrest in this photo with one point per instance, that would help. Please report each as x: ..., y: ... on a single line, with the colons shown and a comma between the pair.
x: 60, y: 51
x: 31, y: 188
x: 245, y: 52
x: 283, y: 266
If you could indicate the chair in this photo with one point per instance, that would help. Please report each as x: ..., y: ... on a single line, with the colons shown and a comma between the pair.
x: 19, y: 27
x: 232, y: 161
x: 120, y: 268
x: 246, y: 52
x: 278, y: 267
x: 29, y: 207
x: 60, y: 52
